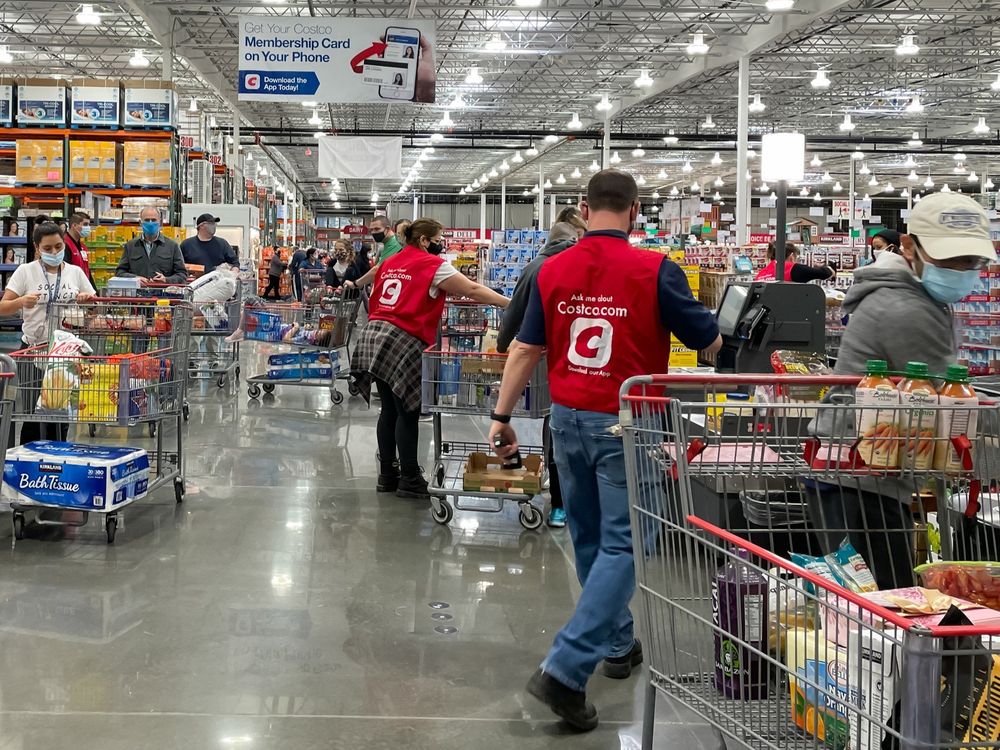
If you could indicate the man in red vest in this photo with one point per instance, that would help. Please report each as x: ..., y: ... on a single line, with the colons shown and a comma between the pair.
x: 76, y: 248
x: 602, y: 311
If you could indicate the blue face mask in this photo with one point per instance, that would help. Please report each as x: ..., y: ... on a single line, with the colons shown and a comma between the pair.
x: 53, y: 259
x: 150, y: 228
x: 946, y: 285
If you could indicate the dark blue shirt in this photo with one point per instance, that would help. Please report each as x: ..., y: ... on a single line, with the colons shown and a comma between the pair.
x: 210, y: 254
x: 680, y: 313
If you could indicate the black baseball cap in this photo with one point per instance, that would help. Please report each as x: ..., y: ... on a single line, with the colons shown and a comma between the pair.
x: 207, y: 217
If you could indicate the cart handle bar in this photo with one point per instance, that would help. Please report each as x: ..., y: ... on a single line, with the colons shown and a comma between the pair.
x: 150, y: 301
x: 435, y: 350
x: 904, y: 623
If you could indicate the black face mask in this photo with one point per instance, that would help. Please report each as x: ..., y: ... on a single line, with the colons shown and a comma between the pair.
x: 378, y: 236
x: 435, y: 248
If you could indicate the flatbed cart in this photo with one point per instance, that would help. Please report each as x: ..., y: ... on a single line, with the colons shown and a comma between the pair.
x: 133, y: 376
x: 212, y: 356
x: 779, y: 654
x: 468, y: 382
x: 317, y: 335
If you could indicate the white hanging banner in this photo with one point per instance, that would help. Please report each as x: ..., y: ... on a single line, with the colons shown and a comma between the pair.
x: 361, y: 157
x: 334, y: 59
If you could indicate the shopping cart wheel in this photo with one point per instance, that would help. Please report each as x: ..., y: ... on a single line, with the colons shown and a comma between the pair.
x: 352, y: 388
x: 186, y: 412
x: 337, y: 397
x: 439, y: 474
x: 179, y: 489
x: 18, y: 525
x: 530, y: 517
x: 237, y: 372
x: 152, y: 429
x: 253, y: 390
x: 92, y: 429
x: 111, y: 526
x: 268, y: 387
x: 222, y: 380
x: 441, y: 511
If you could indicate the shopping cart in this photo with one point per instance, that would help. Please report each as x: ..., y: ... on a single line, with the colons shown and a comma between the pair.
x: 318, y: 336
x: 133, y: 375
x: 212, y: 356
x: 780, y: 654
x: 313, y: 284
x: 468, y: 382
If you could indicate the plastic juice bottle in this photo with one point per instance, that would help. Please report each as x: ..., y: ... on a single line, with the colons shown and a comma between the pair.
x: 739, y: 609
x: 161, y: 319
x: 917, y: 417
x: 955, y: 392
x: 878, y: 414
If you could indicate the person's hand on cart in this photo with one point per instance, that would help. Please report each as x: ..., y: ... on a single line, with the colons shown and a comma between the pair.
x: 159, y: 278
x: 503, y: 439
x: 84, y: 297
x: 28, y: 300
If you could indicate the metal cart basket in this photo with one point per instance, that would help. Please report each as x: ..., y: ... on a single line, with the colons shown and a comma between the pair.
x: 780, y: 654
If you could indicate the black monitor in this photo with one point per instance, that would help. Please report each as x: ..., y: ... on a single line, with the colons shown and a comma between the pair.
x: 731, y: 308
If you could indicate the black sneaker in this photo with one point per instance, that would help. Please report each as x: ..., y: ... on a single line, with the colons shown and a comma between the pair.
x: 569, y: 705
x: 620, y: 667
x: 414, y: 487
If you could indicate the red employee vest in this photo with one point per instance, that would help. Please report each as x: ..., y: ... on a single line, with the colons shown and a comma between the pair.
x: 400, y: 294
x: 602, y: 321
x: 770, y: 271
x: 78, y: 255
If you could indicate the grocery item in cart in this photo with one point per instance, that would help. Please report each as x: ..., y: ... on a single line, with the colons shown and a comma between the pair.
x: 977, y: 582
x: 739, y: 610
x: 878, y: 401
x: 61, y: 380
x: 918, y: 419
x: 73, y: 475
x: 485, y: 473
x: 954, y: 423
x: 787, y: 362
x: 850, y: 569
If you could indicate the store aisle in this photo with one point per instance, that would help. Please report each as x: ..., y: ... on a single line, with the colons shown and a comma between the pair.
x: 287, y: 605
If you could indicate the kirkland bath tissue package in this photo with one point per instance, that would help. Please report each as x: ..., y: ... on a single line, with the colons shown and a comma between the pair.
x: 74, y: 475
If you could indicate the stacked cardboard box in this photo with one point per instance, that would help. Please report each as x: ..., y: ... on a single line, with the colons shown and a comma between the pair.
x: 92, y: 162
x: 146, y: 163
x: 39, y: 161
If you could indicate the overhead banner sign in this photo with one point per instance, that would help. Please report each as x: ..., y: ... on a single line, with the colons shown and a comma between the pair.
x: 336, y: 60
x: 361, y: 157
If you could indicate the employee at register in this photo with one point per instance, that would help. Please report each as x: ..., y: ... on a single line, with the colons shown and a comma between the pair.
x: 794, y: 271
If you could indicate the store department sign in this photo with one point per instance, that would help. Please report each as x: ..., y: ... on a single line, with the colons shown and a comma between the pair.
x: 336, y: 60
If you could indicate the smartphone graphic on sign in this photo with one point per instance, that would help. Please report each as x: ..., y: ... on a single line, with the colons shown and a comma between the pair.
x: 398, y: 65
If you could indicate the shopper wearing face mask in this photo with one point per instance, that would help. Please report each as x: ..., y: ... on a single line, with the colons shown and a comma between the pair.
x: 900, y: 310
x: 32, y: 292
x: 383, y: 232
x: 206, y: 249
x: 76, y: 248
x: 152, y: 257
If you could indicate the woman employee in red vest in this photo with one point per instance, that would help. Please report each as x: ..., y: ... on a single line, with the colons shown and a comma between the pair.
x: 797, y: 272
x: 405, y: 310
x: 598, y: 329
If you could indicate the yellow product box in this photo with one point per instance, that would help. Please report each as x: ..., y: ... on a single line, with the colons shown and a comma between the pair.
x: 693, y: 274
x: 177, y: 234
x: 39, y: 160
x: 92, y: 162
x: 680, y: 355
x: 99, y: 392
x: 146, y: 163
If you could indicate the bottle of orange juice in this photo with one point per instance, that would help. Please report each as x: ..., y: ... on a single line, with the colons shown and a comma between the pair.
x: 878, y: 408
x: 955, y: 392
x: 917, y: 417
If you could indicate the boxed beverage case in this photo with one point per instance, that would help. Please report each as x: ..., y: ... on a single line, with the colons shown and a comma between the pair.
x: 149, y: 104
x: 39, y: 161
x: 95, y: 103
x: 41, y: 102
x: 73, y: 475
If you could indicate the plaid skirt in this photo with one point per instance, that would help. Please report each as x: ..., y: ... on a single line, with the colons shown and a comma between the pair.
x: 393, y: 356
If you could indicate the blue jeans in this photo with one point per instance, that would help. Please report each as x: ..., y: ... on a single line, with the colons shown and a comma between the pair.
x: 595, y: 496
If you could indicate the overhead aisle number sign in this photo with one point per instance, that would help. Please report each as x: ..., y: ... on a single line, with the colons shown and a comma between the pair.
x: 336, y: 60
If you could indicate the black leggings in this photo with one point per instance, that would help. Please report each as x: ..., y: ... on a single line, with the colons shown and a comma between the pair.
x: 397, y: 430
x: 273, y: 282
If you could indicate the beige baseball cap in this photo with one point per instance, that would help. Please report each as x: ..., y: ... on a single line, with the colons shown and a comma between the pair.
x: 951, y: 225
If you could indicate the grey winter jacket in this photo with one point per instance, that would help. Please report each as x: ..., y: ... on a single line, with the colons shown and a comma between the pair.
x: 513, y: 315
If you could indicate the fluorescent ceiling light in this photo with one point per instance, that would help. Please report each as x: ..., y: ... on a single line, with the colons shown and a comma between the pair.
x: 561, y: 179
x: 193, y: 106
x: 615, y: 158
x: 821, y: 81
x: 436, y: 137
x: 981, y: 127
x: 138, y: 59
x: 776, y: 6
x: 531, y: 150
x: 551, y: 138
x: 604, y: 105
x: 517, y: 158
x: 716, y: 160
x: 697, y: 45
x: 576, y: 174
x: 913, y: 176
x: 847, y: 125
x: 907, y: 46
x: 915, y: 107
x: 574, y: 122
x: 837, y: 187
x: 474, y: 78
x: 496, y: 44
x: 458, y: 102
x: 670, y: 139
x: 594, y: 166
x: 757, y: 105
x: 996, y: 84
x: 644, y: 80
x: 446, y: 121
x: 5, y: 57
x: 816, y: 161
x: 687, y: 167
x: 638, y: 152
x: 718, y: 182
x: 709, y: 122
x: 87, y: 16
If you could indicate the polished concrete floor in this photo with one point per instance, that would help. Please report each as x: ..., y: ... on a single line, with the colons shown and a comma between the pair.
x: 285, y: 604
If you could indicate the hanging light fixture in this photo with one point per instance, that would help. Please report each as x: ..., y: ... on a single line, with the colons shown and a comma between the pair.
x: 461, y: 191
x: 988, y: 185
x: 638, y: 152
x: 574, y: 122
x: 670, y: 139
x: 718, y: 182
x: 640, y: 180
x: 674, y: 190
x: 847, y: 125
x: 973, y: 177
x: 604, y: 105
x: 661, y: 175
x: 864, y: 169
x: 915, y: 107
x: 820, y: 81
x: 816, y: 161
x: 314, y: 119
x: 958, y: 156
x: 504, y: 166
x: 594, y: 166
x: 837, y: 187
x: 716, y: 160
x: 5, y: 57
x: 474, y: 78
x: 695, y: 187
x: 687, y: 168
x: 826, y: 177
x: 656, y: 195
x: 717, y: 196
x: 193, y: 106
x: 996, y: 84
x: 531, y: 150
x: 496, y: 44
x: 751, y: 154
x: 436, y: 137
x: 916, y: 198
x: 138, y: 59
x: 494, y: 174
x: 873, y: 181
x: 857, y: 154
x: 615, y: 158
x: 910, y: 162
x: 889, y: 188
x: 548, y: 184
x: 907, y: 46
x: 458, y: 102
x: 87, y: 16
x: 804, y: 192
x: 945, y: 188
x: 817, y: 198
x: 913, y: 176
x: 915, y: 141
x: 446, y: 121
x: 756, y: 105
x: 777, y: 6
x: 764, y: 187
x: 959, y: 168
x: 981, y: 127
x: 928, y: 183
x: 644, y: 80
x: 551, y: 138
x: 697, y: 45
x: 527, y: 192
x: 576, y: 174
x: 904, y: 193
x: 709, y: 122
x: 561, y: 179
x: 517, y: 158
x: 212, y: 122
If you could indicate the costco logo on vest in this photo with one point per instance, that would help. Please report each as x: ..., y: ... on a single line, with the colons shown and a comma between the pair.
x: 590, y: 342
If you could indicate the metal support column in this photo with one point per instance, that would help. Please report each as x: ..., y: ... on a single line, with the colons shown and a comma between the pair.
x: 606, y: 142
x: 503, y: 204
x: 541, y: 197
x: 780, y: 233
x: 850, y: 200
x: 742, y: 137
x: 482, y: 215
x: 415, y: 205
x: 552, y: 210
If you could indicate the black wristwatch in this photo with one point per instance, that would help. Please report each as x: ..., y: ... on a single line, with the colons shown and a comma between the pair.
x: 501, y: 418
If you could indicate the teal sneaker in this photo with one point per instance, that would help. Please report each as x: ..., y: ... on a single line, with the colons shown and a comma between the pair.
x: 557, y: 518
